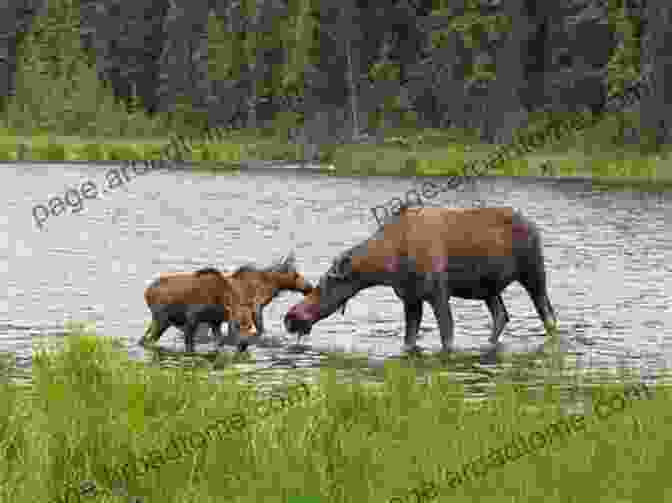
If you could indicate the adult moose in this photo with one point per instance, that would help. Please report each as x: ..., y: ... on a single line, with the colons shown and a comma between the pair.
x: 431, y: 254
x: 211, y: 296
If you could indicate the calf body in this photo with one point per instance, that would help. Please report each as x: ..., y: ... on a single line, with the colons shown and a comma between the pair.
x: 430, y: 255
x: 187, y: 299
x: 212, y: 314
x: 210, y: 296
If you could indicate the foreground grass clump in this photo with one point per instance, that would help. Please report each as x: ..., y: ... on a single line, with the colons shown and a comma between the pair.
x: 91, y: 409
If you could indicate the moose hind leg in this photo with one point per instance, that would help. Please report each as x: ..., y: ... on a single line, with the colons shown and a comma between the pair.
x: 500, y: 317
x: 444, y: 316
x: 413, y: 315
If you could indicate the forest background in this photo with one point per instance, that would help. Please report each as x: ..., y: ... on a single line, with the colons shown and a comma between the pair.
x: 310, y: 75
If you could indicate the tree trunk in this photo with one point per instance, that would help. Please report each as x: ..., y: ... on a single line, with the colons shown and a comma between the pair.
x: 505, y: 92
x: 655, y: 103
x: 256, y: 66
x: 353, y: 90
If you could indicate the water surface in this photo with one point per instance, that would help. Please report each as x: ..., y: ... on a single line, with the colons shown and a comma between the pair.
x: 608, y: 257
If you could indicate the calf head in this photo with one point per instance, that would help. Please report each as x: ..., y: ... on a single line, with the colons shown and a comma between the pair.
x: 256, y: 287
x: 238, y: 312
x: 285, y: 276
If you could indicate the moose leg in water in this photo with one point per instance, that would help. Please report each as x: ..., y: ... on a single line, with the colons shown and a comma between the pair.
x: 413, y: 314
x: 189, y: 331
x: 214, y: 327
x: 161, y: 321
x: 533, y: 279
x: 180, y: 321
x: 212, y: 314
x: 532, y: 273
x: 441, y: 306
x: 217, y: 332
x: 408, y: 294
x: 259, y: 319
x: 234, y: 335
x: 544, y: 309
x: 499, y: 316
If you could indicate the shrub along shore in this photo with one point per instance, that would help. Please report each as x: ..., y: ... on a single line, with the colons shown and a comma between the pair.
x: 406, y: 153
x: 91, y: 408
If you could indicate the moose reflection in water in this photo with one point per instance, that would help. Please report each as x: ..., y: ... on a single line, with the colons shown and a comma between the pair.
x: 431, y: 254
x: 210, y: 296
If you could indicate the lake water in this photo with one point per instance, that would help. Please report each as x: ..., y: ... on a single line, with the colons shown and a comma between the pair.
x: 608, y: 256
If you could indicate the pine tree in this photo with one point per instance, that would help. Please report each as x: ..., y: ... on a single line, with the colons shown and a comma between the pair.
x: 57, y: 86
x: 222, y: 52
x: 624, y: 66
x: 295, y: 34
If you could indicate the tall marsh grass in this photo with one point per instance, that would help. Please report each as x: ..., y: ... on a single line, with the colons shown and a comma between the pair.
x: 234, y: 149
x: 91, y: 408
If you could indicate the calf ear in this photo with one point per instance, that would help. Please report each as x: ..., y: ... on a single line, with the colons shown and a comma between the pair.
x: 288, y: 262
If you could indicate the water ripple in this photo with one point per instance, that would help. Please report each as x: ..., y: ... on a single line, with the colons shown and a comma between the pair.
x: 608, y: 257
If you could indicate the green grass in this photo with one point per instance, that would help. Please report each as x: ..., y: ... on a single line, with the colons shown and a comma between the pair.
x: 439, y: 154
x: 237, y: 148
x: 443, y: 153
x: 90, y: 407
x: 403, y: 152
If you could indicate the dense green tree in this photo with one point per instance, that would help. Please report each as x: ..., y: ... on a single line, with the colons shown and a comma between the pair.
x: 393, y: 60
x: 295, y: 32
x: 57, y: 89
x: 624, y: 66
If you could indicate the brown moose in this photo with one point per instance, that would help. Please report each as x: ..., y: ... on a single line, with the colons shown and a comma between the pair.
x: 211, y: 296
x: 431, y: 254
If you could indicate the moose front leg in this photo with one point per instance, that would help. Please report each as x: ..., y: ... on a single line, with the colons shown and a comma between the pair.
x: 217, y: 332
x: 160, y: 323
x: 259, y: 319
x: 499, y: 316
x: 189, y: 331
x: 235, y: 338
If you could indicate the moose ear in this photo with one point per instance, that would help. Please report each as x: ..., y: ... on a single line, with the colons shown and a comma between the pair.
x: 344, y: 268
x: 290, y: 259
x: 341, y: 268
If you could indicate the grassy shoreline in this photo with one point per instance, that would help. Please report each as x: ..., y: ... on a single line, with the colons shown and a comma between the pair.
x: 439, y: 154
x: 91, y: 408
